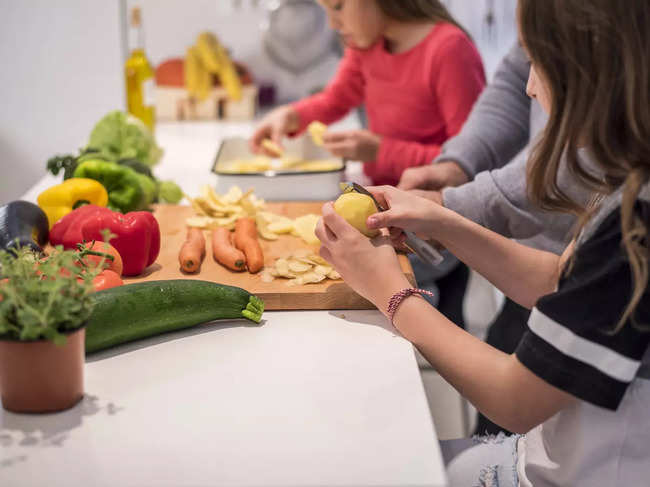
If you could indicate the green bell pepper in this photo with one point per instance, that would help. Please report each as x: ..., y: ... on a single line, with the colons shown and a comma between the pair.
x: 127, y: 189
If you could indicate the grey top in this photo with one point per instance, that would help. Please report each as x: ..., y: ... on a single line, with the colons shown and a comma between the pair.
x: 493, y: 149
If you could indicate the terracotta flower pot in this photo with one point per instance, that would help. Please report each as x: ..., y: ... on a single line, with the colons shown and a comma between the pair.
x: 41, y: 377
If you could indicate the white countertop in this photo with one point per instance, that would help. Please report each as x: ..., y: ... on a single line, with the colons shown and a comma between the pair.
x: 305, y: 399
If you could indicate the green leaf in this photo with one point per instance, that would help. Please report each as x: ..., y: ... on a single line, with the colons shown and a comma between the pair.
x: 43, y: 299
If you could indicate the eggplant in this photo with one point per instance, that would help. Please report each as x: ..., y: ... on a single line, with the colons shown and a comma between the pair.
x: 23, y: 224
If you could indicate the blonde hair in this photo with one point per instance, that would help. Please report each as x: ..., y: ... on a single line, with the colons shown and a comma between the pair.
x: 592, y: 54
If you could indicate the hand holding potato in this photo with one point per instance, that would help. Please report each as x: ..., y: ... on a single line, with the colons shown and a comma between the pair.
x: 278, y: 123
x: 433, y: 177
x: 369, y: 266
x: 407, y: 211
x: 355, y: 145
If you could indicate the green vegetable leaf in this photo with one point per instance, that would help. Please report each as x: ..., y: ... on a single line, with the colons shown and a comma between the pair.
x: 137, y: 166
x: 121, y: 136
x: 68, y: 163
x: 43, y: 299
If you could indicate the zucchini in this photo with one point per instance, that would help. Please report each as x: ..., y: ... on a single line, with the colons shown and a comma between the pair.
x: 133, y: 311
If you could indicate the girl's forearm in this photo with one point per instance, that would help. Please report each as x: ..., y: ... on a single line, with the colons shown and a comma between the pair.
x: 497, y: 384
x: 522, y: 273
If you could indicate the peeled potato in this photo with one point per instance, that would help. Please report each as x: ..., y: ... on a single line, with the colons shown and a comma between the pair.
x: 333, y: 275
x: 317, y: 130
x: 301, y: 268
x: 272, y: 147
x: 298, y: 267
x: 307, y: 278
x: 356, y: 208
x: 305, y: 228
x: 281, y: 227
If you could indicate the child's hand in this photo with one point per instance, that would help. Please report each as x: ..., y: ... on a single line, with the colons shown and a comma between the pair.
x: 370, y: 267
x: 278, y: 123
x: 355, y: 145
x: 433, y: 177
x: 435, y: 196
x: 407, y: 211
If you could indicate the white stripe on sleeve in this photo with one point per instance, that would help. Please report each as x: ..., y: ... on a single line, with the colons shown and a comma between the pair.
x: 608, y: 361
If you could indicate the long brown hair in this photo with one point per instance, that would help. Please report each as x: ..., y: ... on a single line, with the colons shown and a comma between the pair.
x: 417, y: 10
x: 593, y: 57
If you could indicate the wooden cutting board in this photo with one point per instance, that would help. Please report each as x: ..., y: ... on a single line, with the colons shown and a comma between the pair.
x: 277, y: 295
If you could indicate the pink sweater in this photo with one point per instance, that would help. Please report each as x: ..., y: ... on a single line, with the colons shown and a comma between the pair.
x: 415, y: 100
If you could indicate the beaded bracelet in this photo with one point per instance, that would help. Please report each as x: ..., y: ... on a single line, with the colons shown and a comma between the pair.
x: 400, y: 296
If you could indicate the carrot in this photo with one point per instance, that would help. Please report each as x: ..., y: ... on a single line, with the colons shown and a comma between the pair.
x: 192, y: 251
x: 246, y: 241
x: 224, y: 252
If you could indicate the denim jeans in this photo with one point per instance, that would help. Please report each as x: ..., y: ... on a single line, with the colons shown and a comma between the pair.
x: 482, y: 461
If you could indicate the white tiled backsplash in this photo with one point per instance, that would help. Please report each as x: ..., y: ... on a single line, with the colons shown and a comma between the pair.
x: 172, y: 25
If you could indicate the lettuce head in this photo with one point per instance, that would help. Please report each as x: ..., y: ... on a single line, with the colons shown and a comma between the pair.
x: 122, y: 136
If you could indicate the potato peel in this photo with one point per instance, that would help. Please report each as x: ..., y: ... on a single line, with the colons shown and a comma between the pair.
x: 302, y: 267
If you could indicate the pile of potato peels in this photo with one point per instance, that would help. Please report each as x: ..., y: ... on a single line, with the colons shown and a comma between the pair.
x: 214, y: 210
x: 300, y: 267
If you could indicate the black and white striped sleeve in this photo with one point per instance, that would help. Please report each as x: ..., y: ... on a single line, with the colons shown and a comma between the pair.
x: 569, y: 342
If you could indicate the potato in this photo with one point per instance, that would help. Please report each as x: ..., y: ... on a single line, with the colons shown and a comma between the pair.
x: 281, y: 227
x: 307, y: 278
x: 273, y: 148
x: 305, y: 228
x: 298, y: 267
x: 318, y: 166
x: 356, y: 208
x: 317, y: 129
x: 301, y: 268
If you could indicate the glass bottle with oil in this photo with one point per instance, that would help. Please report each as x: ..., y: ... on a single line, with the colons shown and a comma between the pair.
x: 140, y: 84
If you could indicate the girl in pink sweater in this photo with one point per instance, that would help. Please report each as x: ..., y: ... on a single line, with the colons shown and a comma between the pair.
x: 414, y: 68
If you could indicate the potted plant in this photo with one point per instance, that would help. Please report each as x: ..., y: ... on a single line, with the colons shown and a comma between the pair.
x: 44, y: 305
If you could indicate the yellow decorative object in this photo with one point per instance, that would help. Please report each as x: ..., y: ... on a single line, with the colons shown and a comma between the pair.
x: 61, y: 199
x: 215, y: 59
x: 198, y: 80
x: 206, y: 47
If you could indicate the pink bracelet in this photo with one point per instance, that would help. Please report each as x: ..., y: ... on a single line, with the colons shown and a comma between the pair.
x: 398, y: 297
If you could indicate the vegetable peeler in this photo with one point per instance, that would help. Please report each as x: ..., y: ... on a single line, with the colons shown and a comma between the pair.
x: 419, y: 247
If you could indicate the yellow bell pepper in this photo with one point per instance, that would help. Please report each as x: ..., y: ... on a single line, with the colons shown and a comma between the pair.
x: 61, y: 199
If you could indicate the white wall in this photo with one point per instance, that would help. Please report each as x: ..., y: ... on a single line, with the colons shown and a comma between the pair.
x: 62, y: 64
x: 171, y: 26
x: 61, y: 72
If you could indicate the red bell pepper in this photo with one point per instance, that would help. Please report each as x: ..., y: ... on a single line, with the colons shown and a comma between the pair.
x: 67, y: 230
x: 136, y: 234
x: 136, y: 237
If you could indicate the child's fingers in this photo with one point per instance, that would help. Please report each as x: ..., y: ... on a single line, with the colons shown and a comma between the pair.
x: 381, y: 194
x: 334, y: 222
x: 385, y: 219
x: 326, y: 254
x: 277, y: 134
x: 335, y: 137
x: 260, y: 134
x: 397, y: 234
x: 341, y: 149
x: 323, y: 233
x: 435, y: 196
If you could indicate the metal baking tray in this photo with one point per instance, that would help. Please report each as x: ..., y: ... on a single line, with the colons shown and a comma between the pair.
x: 279, y: 184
